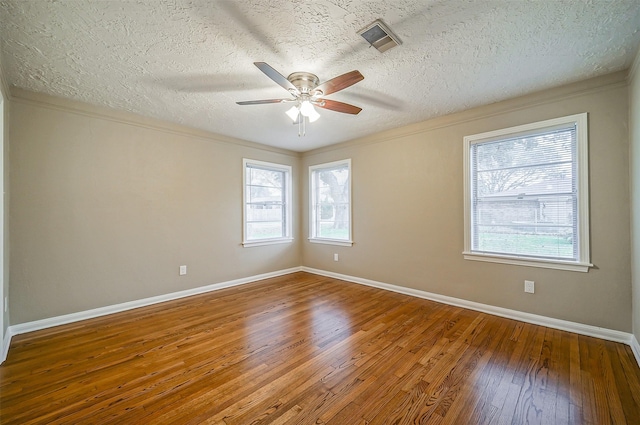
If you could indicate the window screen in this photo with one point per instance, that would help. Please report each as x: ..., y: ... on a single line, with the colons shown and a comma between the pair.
x: 524, y: 196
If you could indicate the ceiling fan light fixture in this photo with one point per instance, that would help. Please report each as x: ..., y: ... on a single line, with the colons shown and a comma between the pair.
x: 293, y: 113
x: 306, y: 108
x: 379, y: 36
x: 313, y: 115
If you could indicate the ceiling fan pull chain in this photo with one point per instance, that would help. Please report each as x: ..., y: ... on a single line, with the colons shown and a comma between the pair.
x: 304, y: 125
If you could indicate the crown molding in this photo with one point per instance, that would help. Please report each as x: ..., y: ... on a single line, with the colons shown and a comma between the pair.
x: 580, y: 88
x: 4, y: 85
x: 634, y: 66
x: 19, y: 95
x: 567, y: 91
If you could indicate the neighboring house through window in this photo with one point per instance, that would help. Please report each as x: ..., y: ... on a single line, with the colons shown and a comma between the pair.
x: 267, y: 203
x: 526, y: 195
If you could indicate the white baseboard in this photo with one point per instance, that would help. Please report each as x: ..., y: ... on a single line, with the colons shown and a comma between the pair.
x: 565, y: 325
x: 579, y: 328
x: 103, y: 311
x: 635, y: 347
x: 5, y: 346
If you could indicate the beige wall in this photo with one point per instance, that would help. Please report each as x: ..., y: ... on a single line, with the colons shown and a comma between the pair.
x: 634, y: 155
x: 5, y: 229
x: 4, y: 88
x: 408, y: 210
x: 106, y: 206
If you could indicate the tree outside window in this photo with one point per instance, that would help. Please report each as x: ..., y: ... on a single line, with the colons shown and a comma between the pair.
x: 331, y: 202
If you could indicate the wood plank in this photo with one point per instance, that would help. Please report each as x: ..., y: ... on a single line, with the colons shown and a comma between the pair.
x: 302, y: 349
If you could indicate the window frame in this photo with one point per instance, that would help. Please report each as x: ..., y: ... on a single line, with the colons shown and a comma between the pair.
x: 582, y: 188
x: 312, y: 203
x: 287, y: 210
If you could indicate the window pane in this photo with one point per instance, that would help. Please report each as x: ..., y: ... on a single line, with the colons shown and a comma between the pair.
x: 538, y: 211
x: 536, y: 226
x: 334, y: 230
x: 524, y: 195
x: 555, y: 146
x: 261, y: 177
x: 265, y: 230
x: 532, y: 180
x: 267, y: 193
x: 264, y: 212
x: 527, y: 240
x: 331, y: 202
x: 324, y: 193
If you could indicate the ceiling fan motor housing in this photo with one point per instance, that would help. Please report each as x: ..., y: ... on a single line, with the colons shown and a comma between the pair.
x: 305, y: 82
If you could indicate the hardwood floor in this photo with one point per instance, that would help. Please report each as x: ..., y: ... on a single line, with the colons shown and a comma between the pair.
x: 305, y: 349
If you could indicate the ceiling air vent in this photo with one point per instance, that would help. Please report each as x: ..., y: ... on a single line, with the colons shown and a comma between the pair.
x: 379, y: 36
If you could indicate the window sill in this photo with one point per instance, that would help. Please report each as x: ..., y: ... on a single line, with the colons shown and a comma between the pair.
x: 263, y: 242
x: 528, y: 262
x: 331, y: 241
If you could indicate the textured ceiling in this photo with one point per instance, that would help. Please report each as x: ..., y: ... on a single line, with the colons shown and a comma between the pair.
x: 189, y: 61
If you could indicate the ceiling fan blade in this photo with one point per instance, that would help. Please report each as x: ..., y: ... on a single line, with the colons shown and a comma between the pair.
x: 340, y: 82
x: 334, y: 105
x: 277, y: 77
x: 260, y: 102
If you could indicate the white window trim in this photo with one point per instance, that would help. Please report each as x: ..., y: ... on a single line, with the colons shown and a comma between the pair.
x: 583, y: 264
x: 312, y: 201
x: 327, y: 241
x: 263, y: 242
x: 288, y: 199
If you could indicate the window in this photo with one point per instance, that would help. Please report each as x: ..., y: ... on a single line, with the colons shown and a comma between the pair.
x: 267, y: 203
x: 331, y: 203
x: 526, y: 195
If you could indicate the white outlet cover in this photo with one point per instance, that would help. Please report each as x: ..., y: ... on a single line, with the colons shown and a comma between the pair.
x: 183, y: 270
x: 529, y: 286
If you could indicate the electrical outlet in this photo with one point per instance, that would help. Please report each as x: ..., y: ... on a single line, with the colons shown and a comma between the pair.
x: 183, y: 270
x: 335, y: 257
x: 529, y: 286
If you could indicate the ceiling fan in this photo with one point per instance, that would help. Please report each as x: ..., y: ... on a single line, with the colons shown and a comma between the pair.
x: 307, y: 93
